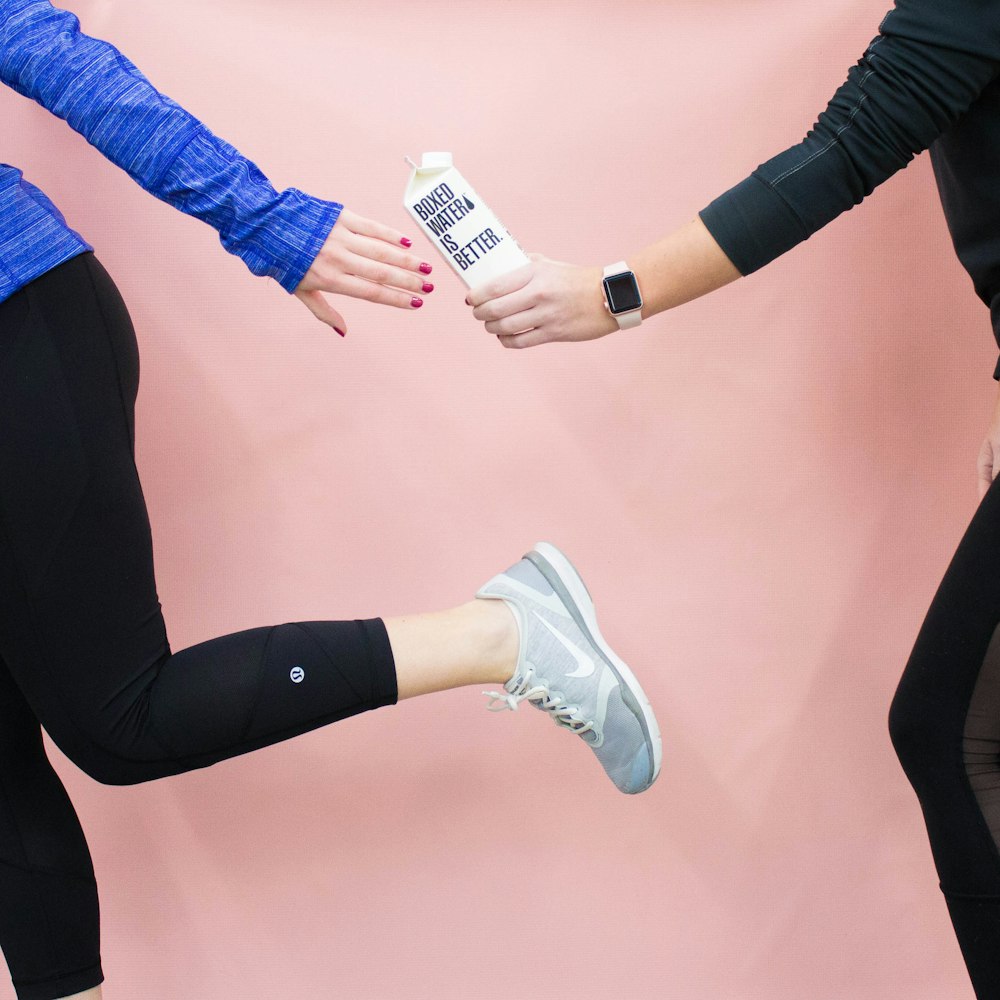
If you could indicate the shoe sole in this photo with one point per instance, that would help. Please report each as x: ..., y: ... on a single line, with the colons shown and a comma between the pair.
x: 569, y: 585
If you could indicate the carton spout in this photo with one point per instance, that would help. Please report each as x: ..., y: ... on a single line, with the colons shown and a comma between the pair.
x: 432, y: 161
x: 436, y: 161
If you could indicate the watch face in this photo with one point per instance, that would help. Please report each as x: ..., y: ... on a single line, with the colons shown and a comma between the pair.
x: 622, y: 292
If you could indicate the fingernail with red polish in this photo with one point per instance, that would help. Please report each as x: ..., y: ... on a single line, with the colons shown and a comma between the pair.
x: 341, y: 332
x: 406, y: 241
x: 467, y: 302
x: 425, y: 269
x: 416, y: 303
x: 427, y: 287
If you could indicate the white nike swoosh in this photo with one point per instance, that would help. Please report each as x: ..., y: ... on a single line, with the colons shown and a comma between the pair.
x: 585, y: 662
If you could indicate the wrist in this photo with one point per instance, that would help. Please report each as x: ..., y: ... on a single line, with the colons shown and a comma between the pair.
x: 622, y: 295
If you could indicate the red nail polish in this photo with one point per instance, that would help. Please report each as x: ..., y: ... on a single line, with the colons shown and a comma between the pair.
x: 341, y: 332
x: 416, y: 303
x: 406, y: 242
x: 467, y: 302
x: 425, y: 269
x: 427, y: 287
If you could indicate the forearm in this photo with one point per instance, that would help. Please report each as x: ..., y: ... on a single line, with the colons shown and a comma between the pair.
x: 918, y: 77
x: 86, y: 81
x: 914, y: 81
x: 680, y: 267
x: 911, y: 84
x: 550, y: 301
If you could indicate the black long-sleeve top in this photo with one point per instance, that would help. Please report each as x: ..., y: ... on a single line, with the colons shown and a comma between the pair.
x: 929, y: 80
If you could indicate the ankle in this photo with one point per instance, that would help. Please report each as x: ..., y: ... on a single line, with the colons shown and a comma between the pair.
x: 498, y: 635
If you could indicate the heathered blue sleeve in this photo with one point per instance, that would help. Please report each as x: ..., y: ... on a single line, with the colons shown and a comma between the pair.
x: 929, y: 63
x: 103, y: 96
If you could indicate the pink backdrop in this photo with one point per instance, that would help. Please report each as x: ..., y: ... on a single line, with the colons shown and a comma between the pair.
x: 762, y: 489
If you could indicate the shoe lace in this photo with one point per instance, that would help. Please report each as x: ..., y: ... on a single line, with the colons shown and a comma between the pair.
x: 528, y: 688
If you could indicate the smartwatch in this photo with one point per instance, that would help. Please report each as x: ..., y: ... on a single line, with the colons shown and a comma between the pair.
x: 621, y: 295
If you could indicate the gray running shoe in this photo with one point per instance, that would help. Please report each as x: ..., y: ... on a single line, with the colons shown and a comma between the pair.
x: 565, y: 668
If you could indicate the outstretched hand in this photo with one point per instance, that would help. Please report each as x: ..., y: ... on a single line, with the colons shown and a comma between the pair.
x: 366, y: 260
x: 543, y: 301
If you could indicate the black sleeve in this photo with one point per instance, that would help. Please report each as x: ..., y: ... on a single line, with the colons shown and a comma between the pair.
x: 929, y: 63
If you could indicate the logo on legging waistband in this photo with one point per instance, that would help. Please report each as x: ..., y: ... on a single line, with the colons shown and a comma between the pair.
x: 297, y: 675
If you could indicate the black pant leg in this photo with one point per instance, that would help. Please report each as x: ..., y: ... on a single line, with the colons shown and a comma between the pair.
x: 49, y: 918
x: 945, y: 725
x: 82, y: 638
x: 83, y: 634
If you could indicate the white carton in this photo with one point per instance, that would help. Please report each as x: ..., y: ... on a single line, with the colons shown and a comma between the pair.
x: 458, y: 222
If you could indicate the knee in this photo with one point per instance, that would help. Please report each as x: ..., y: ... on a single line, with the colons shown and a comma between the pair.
x: 114, y: 742
x: 923, y: 733
x: 907, y: 728
x: 98, y: 763
x: 103, y: 758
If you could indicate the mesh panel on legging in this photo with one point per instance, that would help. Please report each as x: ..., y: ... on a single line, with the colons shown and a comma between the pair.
x: 981, y: 740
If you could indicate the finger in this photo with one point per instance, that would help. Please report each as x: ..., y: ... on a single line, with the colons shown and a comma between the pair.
x: 507, y: 305
x: 386, y: 274
x: 345, y: 281
x: 985, y: 467
x: 503, y: 285
x: 318, y: 305
x: 373, y: 249
x: 518, y: 323
x: 370, y: 291
x: 518, y: 341
x: 376, y: 230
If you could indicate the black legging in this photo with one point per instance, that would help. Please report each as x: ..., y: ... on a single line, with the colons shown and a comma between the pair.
x: 945, y: 725
x: 83, y: 648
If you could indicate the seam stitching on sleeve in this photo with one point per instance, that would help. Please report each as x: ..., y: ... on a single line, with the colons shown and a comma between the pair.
x: 833, y: 142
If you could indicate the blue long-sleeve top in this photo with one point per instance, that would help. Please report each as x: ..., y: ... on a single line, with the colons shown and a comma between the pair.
x: 930, y: 80
x: 103, y: 96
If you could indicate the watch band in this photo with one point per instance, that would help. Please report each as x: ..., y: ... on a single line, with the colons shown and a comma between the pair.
x: 633, y: 317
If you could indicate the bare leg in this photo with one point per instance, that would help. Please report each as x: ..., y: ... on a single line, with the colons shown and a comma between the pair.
x: 475, y: 643
x: 94, y: 994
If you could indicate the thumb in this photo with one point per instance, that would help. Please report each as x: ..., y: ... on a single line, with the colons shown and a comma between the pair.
x: 316, y: 302
x: 512, y: 281
x: 985, y: 466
